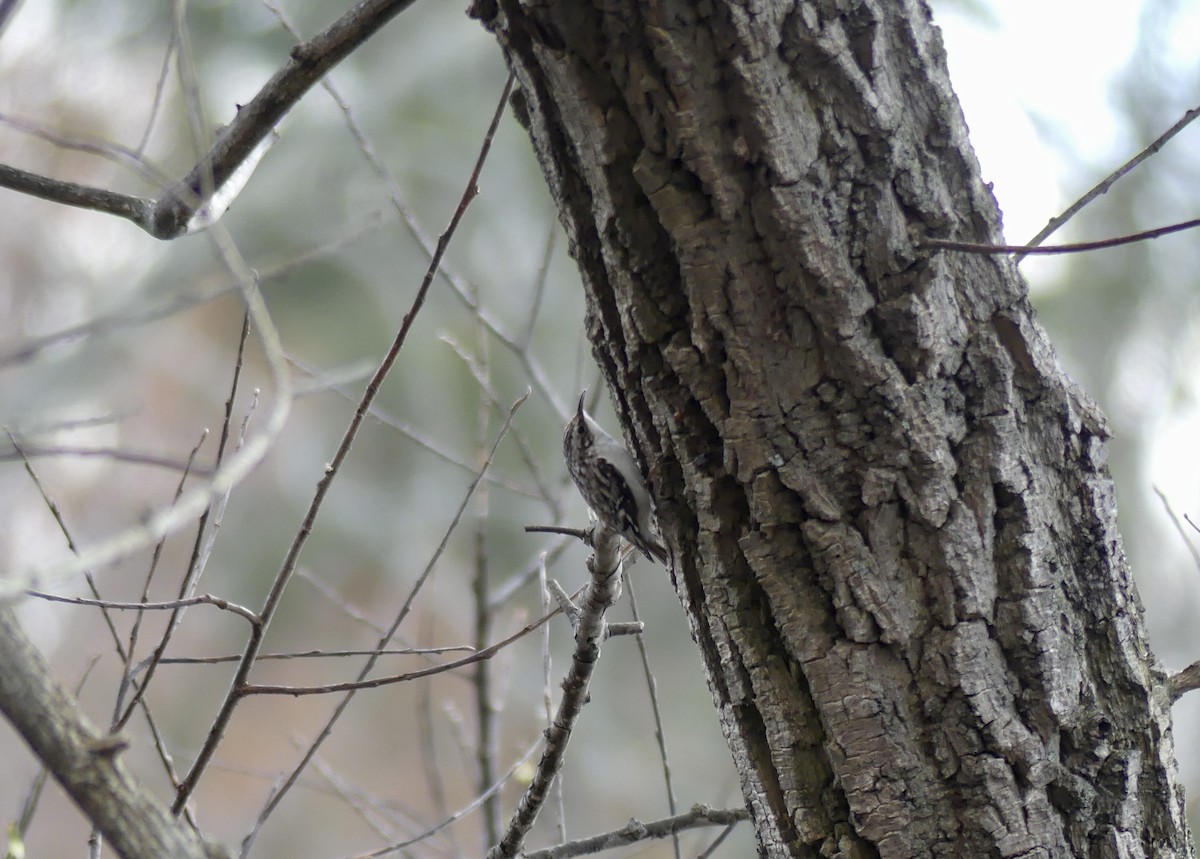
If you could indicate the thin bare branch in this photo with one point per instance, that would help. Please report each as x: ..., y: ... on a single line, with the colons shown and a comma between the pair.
x: 206, y: 537
x: 429, y: 444
x: 123, y: 654
x: 635, y: 831
x: 1183, y: 535
x: 528, y: 457
x: 506, y: 591
x: 487, y: 744
x: 34, y: 451
x: 1111, y: 179
x: 374, y: 683
x: 321, y: 654
x: 1046, y: 250
x: 170, y: 605
x: 560, y: 806
x: 120, y: 720
x: 428, y: 749
x: 168, y: 216
x: 598, y: 596
x: 539, y: 288
x: 187, y: 507
x: 458, y: 815
x: 354, y: 800
x: 461, y: 288
x: 711, y: 849
x: 336, y: 600
x: 160, y: 93
x: 129, y: 317
x: 293, y: 556
x: 388, y: 804
x: 659, y: 734
x: 131, y: 159
x: 240, y: 687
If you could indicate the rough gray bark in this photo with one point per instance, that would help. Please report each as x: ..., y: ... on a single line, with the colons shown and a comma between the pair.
x: 893, y: 528
x: 85, y: 762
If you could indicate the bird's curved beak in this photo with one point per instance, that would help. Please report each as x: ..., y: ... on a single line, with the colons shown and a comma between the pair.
x: 579, y: 410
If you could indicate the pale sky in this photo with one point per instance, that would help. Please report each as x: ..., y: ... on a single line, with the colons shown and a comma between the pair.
x: 1069, y: 51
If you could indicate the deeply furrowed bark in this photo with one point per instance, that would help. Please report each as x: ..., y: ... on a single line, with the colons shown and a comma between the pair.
x: 893, y: 527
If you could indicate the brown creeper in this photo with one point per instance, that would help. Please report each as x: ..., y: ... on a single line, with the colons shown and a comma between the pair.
x: 610, y: 482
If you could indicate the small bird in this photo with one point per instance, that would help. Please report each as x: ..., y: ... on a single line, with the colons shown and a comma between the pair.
x: 610, y: 482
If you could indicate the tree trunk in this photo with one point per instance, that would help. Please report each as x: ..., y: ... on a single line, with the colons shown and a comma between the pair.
x: 893, y: 528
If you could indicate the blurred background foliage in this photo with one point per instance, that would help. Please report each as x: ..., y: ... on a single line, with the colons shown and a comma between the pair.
x: 339, y: 269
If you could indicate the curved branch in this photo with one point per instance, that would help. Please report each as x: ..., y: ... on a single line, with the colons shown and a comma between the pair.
x: 84, y: 761
x: 169, y: 216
